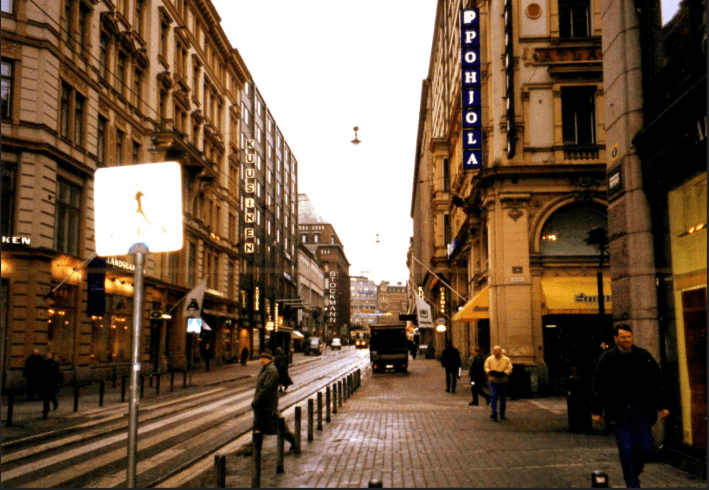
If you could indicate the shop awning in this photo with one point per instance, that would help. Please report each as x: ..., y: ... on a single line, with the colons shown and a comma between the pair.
x: 476, y: 309
x: 574, y: 295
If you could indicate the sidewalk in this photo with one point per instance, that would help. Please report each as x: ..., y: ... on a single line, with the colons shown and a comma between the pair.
x: 27, y: 416
x: 406, y: 431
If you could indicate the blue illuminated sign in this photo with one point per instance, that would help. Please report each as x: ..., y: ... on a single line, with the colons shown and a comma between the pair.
x: 471, y: 88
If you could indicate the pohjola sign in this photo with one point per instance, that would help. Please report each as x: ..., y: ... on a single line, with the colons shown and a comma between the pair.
x: 471, y: 90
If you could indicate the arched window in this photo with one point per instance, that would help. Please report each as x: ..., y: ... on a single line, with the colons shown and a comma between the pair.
x: 565, y: 231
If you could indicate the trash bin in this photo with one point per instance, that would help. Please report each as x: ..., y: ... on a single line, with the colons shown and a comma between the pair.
x: 578, y: 402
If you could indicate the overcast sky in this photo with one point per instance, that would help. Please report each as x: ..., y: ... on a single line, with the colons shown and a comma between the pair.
x: 323, y: 67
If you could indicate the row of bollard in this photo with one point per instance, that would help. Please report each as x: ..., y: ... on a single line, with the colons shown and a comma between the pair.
x: 102, y: 387
x: 341, y: 391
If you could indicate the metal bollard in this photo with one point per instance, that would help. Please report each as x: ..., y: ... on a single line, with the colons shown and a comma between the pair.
x: 599, y: 479
x: 150, y: 381
x: 334, y: 397
x: 10, y: 408
x: 76, y: 398
x: 310, y: 419
x: 157, y: 384
x: 123, y: 388
x: 339, y: 393
x: 101, y: 388
x: 220, y: 470
x: 327, y: 404
x: 297, y: 428
x: 172, y: 380
x: 280, y: 443
x: 374, y: 483
x: 257, y: 442
x: 349, y: 386
x: 319, y: 410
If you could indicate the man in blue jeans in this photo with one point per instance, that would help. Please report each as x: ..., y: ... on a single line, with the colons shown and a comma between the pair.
x: 498, y: 368
x: 627, y: 384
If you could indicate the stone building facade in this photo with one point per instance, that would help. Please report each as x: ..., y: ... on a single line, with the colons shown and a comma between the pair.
x: 655, y: 71
x: 311, y: 282
x: 392, y: 300
x: 508, y: 236
x: 321, y: 239
x: 92, y: 84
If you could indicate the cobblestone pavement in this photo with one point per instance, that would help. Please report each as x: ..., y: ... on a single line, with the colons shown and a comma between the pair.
x: 406, y: 431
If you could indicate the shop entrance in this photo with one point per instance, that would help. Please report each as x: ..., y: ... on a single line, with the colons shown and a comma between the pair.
x: 572, y: 344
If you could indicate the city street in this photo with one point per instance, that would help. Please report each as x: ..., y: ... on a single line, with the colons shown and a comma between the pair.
x: 177, y: 430
x: 406, y: 431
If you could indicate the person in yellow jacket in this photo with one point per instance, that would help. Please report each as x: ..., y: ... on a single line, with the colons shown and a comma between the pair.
x: 498, y: 367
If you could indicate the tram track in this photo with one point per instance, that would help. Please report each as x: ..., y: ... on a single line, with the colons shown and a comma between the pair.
x: 173, y: 435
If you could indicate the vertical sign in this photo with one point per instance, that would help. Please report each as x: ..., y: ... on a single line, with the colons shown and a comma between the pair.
x: 332, y: 289
x: 509, y: 81
x: 249, y: 201
x: 471, y: 89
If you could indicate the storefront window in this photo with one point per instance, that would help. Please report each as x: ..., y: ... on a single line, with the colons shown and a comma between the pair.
x: 60, y: 324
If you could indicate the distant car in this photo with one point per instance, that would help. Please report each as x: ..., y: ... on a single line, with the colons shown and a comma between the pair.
x: 336, y: 344
x: 314, y: 346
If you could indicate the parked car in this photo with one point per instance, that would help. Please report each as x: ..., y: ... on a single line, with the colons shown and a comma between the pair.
x: 336, y: 344
x: 314, y: 346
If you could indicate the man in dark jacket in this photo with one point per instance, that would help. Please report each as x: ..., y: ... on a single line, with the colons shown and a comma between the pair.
x: 281, y: 362
x: 478, y: 379
x: 450, y: 360
x: 265, y: 402
x: 627, y: 385
x: 34, y: 372
x: 51, y: 382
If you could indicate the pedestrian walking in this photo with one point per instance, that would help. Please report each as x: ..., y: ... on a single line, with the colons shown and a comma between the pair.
x: 498, y: 368
x: 51, y: 381
x: 265, y: 402
x: 34, y: 372
x: 450, y: 360
x: 281, y: 362
x: 478, y: 379
x: 627, y: 387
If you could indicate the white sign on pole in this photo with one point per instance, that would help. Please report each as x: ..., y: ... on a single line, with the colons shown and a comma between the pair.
x: 138, y: 204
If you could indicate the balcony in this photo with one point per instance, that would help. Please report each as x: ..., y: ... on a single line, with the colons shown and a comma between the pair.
x: 177, y: 146
x: 582, y: 153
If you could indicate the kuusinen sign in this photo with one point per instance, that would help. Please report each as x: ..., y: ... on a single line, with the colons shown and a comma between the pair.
x: 471, y: 88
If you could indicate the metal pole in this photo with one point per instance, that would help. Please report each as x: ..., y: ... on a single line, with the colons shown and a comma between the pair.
x: 599, y: 278
x: 139, y: 251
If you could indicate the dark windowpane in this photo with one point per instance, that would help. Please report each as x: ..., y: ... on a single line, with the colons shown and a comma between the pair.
x: 565, y: 231
x: 101, y: 140
x: 7, y: 193
x: 64, y: 116
x: 574, y: 18
x: 79, y: 120
x: 6, y: 89
x: 67, y: 217
x: 578, y: 115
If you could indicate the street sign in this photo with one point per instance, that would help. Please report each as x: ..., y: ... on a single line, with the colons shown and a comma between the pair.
x: 138, y: 204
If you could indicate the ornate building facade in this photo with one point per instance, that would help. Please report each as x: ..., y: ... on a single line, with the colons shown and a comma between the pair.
x: 92, y: 84
x: 508, y: 235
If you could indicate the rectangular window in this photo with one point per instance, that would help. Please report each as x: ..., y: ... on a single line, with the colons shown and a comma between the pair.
x: 67, y: 217
x: 138, y: 21
x: 64, y: 108
x: 6, y: 77
x: 84, y: 27
x: 79, y: 103
x: 7, y: 193
x: 578, y: 115
x: 103, y: 56
x: 446, y: 174
x: 120, y: 137
x: 136, y: 152
x: 101, y: 140
x: 191, y: 263
x: 173, y: 266
x: 446, y: 228
x: 121, y: 73
x: 7, y: 6
x: 164, y: 31
x: 574, y: 18
x: 68, y: 14
x: 137, y: 88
